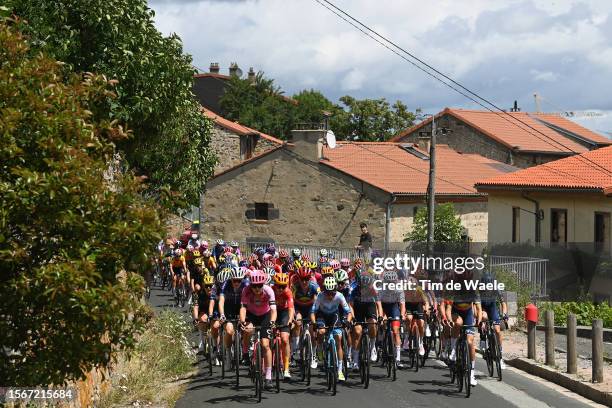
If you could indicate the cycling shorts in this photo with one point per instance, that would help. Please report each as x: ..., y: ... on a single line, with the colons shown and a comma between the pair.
x: 364, y: 311
x: 232, y: 310
x: 329, y: 320
x: 492, y: 312
x: 415, y: 308
x: 467, y: 316
x: 263, y: 321
x: 303, y: 310
x: 282, y: 318
x: 178, y: 271
x: 391, y: 310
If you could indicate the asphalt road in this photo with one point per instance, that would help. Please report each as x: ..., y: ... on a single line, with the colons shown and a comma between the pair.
x: 428, y: 388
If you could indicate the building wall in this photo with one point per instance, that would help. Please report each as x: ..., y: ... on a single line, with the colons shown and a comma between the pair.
x: 226, y: 146
x: 581, y: 210
x: 473, y: 215
x: 466, y: 139
x: 315, y: 204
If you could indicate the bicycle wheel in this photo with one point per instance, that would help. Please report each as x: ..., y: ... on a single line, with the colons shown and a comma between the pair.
x: 468, y: 370
x: 438, y: 343
x: 364, y: 360
x: 345, y: 353
x: 487, y: 355
x: 210, y: 352
x: 388, y: 354
x: 417, y: 357
x: 308, y: 355
x: 258, y: 372
x: 333, y: 367
x: 237, y: 352
x: 460, y: 365
x: 277, y: 364
x: 498, y: 357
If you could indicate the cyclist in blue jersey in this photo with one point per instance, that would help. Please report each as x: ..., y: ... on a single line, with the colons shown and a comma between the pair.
x: 325, y: 312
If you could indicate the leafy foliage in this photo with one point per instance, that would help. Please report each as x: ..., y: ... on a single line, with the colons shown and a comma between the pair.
x: 585, y: 312
x: 447, y: 225
x: 117, y: 38
x: 261, y: 105
x: 71, y: 242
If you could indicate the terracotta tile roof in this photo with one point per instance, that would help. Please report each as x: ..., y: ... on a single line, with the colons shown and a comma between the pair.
x: 510, y: 132
x: 236, y: 127
x: 576, y: 172
x: 391, y: 168
x: 573, y: 127
x: 212, y: 75
x: 242, y: 163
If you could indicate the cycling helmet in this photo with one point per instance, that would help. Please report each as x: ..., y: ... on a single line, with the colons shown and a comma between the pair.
x: 269, y: 270
x: 334, y: 264
x: 228, y: 250
x: 283, y: 253
x: 323, y: 260
x: 224, y: 274
x: 206, y: 253
x: 268, y: 264
x: 220, y: 242
x: 311, y: 265
x: 190, y: 247
x: 258, y: 277
x: 178, y: 252
x: 237, y: 273
x: 327, y: 270
x: 204, y: 245
x: 179, y: 243
x: 296, y: 252
x: 208, y: 280
x: 196, y: 253
x: 341, y: 275
x: 329, y: 283
x: 197, y: 261
x: 304, y: 273
x: 297, y: 264
x: 486, y: 278
x: 243, y: 263
x: 390, y: 276
x: 234, y: 244
x: 345, y: 263
x: 281, y: 279
x: 259, y: 251
x: 271, y: 249
x: 305, y: 257
x: 194, y: 236
x: 323, y: 252
x: 267, y: 257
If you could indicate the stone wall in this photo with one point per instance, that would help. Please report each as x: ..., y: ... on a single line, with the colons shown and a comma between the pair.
x: 226, y: 146
x: 466, y: 139
x: 316, y: 204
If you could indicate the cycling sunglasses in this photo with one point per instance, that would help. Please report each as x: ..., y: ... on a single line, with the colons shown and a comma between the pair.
x: 258, y: 285
x: 236, y: 280
x: 207, y: 286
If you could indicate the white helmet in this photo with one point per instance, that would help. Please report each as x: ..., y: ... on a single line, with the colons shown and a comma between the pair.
x: 330, y: 283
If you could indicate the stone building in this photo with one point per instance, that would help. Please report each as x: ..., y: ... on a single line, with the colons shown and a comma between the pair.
x: 517, y: 138
x: 304, y: 192
x: 234, y: 143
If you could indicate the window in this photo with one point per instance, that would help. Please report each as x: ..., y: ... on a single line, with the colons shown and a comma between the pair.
x: 516, y: 224
x: 602, y: 230
x: 261, y: 212
x: 558, y: 225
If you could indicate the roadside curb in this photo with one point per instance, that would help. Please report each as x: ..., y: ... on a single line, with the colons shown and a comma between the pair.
x: 565, y: 380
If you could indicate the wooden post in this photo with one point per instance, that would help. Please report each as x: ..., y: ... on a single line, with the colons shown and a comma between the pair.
x: 550, y: 338
x: 531, y: 340
x: 597, y: 339
x: 571, y: 344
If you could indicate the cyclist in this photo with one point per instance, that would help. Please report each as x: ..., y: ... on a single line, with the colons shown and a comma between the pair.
x: 416, y: 305
x: 194, y: 241
x: 394, y: 307
x: 305, y: 290
x: 325, y: 312
x: 296, y: 253
x: 285, y: 315
x: 488, y: 302
x: 236, y: 248
x: 461, y: 309
x: 202, y: 309
x: 344, y: 287
x: 215, y: 315
x: 178, y: 269
x: 218, y: 250
x: 208, y: 261
x: 365, y: 302
x: 229, y: 303
x: 258, y: 308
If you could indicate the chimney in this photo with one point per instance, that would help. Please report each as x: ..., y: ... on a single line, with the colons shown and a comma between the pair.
x: 214, y: 67
x: 251, y: 74
x: 308, y: 144
x: 233, y: 69
x: 424, y: 143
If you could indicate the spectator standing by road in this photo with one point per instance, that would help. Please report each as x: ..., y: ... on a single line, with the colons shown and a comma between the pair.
x: 365, y: 240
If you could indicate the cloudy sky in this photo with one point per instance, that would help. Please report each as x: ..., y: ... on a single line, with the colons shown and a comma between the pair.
x: 501, y: 49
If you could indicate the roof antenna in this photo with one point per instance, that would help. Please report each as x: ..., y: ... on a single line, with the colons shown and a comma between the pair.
x: 538, y: 108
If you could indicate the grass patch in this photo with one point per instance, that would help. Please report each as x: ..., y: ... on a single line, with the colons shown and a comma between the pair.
x: 163, y: 354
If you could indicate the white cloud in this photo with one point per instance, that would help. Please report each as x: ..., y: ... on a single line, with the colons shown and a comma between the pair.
x: 504, y: 50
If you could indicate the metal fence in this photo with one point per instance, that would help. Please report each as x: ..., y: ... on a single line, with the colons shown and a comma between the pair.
x: 531, y: 271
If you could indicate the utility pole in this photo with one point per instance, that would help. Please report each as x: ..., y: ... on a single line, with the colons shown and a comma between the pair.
x: 431, y: 187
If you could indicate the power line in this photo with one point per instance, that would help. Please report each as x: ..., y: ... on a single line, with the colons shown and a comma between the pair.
x: 501, y: 111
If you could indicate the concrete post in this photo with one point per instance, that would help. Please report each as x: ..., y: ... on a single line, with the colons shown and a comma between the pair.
x: 597, y: 339
x: 571, y: 344
x: 549, y: 340
x: 531, y: 340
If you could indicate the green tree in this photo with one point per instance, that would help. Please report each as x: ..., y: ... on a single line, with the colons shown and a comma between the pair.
x: 447, y: 225
x: 117, y: 38
x: 371, y: 119
x: 73, y: 240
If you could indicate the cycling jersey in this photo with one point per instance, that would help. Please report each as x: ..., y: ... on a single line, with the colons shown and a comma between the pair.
x: 333, y: 305
x: 391, y: 296
x: 232, y: 296
x: 177, y: 261
x: 258, y: 305
x: 203, y: 301
x: 359, y: 294
x: 305, y: 297
x: 284, y: 298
